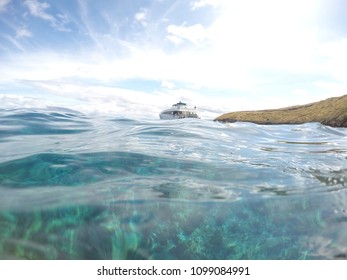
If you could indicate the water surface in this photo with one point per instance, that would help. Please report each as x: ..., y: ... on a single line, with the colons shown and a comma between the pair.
x: 77, y: 187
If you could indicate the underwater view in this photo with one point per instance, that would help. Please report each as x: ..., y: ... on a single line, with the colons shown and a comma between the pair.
x: 78, y: 187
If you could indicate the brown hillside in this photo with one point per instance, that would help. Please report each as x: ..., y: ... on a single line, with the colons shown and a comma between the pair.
x: 331, y: 112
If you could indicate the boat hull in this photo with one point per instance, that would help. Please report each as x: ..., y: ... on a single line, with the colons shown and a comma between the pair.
x: 178, y: 111
x: 172, y: 115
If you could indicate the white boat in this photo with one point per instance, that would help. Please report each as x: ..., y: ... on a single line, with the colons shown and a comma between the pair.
x: 179, y: 110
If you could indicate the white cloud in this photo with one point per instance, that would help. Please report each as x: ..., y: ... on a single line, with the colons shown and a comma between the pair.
x: 38, y: 9
x: 167, y: 84
x: 60, y: 23
x: 203, y: 3
x: 332, y: 88
x: 107, y: 100
x: 16, y: 101
x: 269, y: 33
x: 194, y: 33
x: 71, y: 77
x: 141, y: 17
x: 3, y: 5
x: 23, y: 32
x: 232, y: 58
x: 334, y: 66
x: 335, y: 59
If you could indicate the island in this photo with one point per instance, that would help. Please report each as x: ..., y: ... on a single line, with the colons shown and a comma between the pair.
x: 331, y: 112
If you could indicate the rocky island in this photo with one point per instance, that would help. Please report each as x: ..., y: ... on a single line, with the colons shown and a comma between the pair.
x: 331, y: 112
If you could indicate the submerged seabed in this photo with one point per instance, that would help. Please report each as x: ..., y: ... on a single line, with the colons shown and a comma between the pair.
x: 73, y: 187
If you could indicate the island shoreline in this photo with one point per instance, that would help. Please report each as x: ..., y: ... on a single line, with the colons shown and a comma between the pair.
x: 331, y: 112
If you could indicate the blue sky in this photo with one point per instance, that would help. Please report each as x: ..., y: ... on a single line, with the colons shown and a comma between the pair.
x: 138, y: 57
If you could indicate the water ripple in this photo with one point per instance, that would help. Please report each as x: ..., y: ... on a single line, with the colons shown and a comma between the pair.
x: 76, y: 187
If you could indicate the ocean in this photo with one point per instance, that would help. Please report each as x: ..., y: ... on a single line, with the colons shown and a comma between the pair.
x: 73, y: 187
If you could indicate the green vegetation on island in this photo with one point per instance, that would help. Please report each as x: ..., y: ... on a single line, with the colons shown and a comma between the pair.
x: 331, y: 112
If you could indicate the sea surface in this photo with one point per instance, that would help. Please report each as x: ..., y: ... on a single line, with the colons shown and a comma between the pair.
x: 79, y: 187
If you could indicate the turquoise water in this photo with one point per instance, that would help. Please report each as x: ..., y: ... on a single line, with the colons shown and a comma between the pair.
x: 77, y: 187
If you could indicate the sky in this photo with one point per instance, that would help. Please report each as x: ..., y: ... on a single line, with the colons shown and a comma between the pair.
x: 135, y: 58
